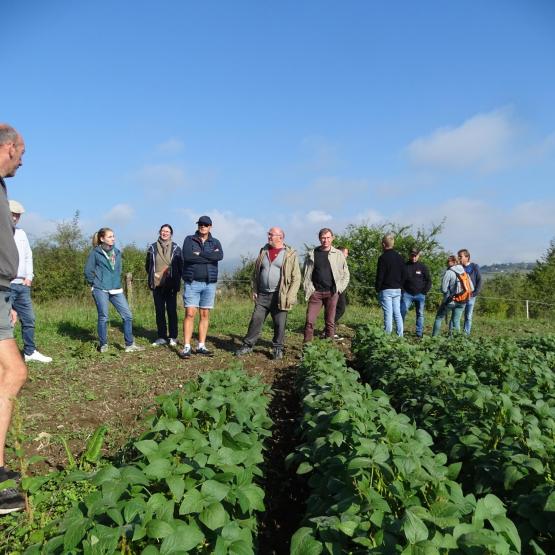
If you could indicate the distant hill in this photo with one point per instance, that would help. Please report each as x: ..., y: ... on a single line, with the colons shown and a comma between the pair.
x: 507, y: 268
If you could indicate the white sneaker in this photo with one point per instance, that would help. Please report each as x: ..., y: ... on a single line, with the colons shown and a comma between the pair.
x: 103, y: 348
x: 37, y: 357
x: 173, y: 342
x: 160, y: 341
x: 133, y: 348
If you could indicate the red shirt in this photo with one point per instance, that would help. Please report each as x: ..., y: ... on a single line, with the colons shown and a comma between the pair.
x: 273, y: 253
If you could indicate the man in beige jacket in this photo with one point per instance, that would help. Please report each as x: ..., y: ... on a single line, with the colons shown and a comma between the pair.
x: 276, y: 281
x: 325, y: 276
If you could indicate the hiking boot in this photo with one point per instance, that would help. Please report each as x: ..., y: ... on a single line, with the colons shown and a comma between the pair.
x: 277, y: 353
x: 242, y: 351
x: 103, y: 348
x: 133, y: 348
x: 173, y: 342
x: 203, y: 351
x: 35, y: 356
x: 184, y: 354
x: 159, y: 342
x: 10, y: 501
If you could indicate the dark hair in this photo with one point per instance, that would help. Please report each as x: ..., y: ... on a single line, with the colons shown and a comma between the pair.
x: 323, y: 231
x: 165, y: 225
x: 99, y: 235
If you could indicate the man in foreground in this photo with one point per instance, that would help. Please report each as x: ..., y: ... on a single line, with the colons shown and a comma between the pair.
x: 21, y: 289
x: 326, y: 275
x: 276, y: 281
x: 390, y: 277
x: 416, y: 287
x: 201, y: 254
x: 13, y: 371
x: 473, y: 271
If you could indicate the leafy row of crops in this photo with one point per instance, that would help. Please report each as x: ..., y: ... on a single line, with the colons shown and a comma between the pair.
x: 488, y: 403
x: 376, y: 485
x: 188, y: 484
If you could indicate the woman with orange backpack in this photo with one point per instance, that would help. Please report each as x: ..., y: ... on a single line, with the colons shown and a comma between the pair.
x: 457, y: 289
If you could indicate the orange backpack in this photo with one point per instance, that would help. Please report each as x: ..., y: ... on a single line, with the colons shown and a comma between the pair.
x: 464, y: 288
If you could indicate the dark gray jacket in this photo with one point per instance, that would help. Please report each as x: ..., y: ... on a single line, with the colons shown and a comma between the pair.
x: 9, y: 257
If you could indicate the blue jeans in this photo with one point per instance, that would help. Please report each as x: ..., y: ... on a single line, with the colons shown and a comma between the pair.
x: 469, y: 309
x: 419, y: 301
x: 21, y: 303
x: 102, y: 298
x: 456, y: 310
x: 390, y: 301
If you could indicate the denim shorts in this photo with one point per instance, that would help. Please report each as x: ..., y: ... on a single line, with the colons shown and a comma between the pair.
x: 199, y: 294
x: 6, y: 326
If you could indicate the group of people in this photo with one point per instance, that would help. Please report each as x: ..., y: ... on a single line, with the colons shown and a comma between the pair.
x: 400, y: 284
x: 275, y: 284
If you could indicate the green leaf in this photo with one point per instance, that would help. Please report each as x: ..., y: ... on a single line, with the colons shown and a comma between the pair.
x: 340, y: 417
x: 348, y: 527
x: 550, y: 502
x: 414, y: 528
x: 158, y: 529
x: 214, y: 516
x: 193, y: 502
x: 94, y: 445
x: 215, y: 490
x: 75, y: 533
x: 359, y: 462
x: 147, y: 447
x: 304, y: 543
x: 185, y: 538
x: 488, y: 507
x: 32, y: 485
x: 240, y: 547
x: 177, y: 486
x: 251, y: 498
x: 506, y: 526
x: 304, y: 468
x: 158, y: 469
x: 453, y: 470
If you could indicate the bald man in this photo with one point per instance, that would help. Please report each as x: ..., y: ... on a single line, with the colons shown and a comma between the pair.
x: 13, y: 371
x: 276, y: 281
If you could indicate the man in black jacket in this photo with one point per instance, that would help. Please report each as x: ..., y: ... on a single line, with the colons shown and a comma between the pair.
x: 416, y: 287
x: 390, y: 277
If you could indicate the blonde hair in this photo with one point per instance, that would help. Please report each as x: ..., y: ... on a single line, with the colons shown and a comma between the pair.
x: 99, y: 235
x: 388, y: 241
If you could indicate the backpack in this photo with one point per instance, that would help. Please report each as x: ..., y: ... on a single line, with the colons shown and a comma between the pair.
x: 464, y: 288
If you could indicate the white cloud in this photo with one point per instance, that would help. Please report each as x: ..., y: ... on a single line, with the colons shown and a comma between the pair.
x: 120, y: 214
x: 170, y: 147
x: 370, y: 217
x: 318, y: 216
x: 36, y: 227
x: 535, y: 214
x: 162, y: 177
x: 482, y: 143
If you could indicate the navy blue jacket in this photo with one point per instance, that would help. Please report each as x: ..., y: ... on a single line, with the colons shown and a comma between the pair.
x: 99, y: 273
x: 200, y: 260
x: 173, y: 279
x: 473, y: 271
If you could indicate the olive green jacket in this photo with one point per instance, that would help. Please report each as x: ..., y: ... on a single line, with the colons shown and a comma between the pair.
x: 290, y: 279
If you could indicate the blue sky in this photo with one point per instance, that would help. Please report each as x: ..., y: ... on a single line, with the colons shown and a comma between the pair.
x: 299, y: 114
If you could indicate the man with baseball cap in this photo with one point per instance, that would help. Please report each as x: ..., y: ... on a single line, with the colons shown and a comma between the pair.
x: 417, y: 285
x: 13, y: 372
x: 201, y: 254
x: 21, y: 289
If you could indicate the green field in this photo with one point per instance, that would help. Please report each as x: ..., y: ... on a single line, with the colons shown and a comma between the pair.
x: 63, y: 403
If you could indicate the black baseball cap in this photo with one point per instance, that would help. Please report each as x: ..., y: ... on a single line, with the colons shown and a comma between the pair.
x: 204, y: 220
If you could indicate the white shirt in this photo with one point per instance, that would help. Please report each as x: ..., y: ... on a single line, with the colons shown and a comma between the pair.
x: 25, y: 268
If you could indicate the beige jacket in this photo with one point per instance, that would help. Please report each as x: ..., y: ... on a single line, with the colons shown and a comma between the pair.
x: 339, y: 270
x: 290, y: 279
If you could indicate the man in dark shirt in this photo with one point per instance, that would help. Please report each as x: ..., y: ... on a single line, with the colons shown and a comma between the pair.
x: 416, y: 287
x: 325, y: 276
x: 390, y: 277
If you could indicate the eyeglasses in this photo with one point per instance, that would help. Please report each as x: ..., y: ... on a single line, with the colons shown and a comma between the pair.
x: 204, y: 225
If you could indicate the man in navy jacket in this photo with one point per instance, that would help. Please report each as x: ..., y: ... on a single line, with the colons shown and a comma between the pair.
x: 201, y: 254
